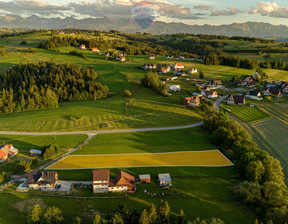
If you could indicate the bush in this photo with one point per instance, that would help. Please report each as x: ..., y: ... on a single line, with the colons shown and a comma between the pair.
x: 23, y: 42
x: 22, y: 167
x: 127, y: 93
x: 151, y: 80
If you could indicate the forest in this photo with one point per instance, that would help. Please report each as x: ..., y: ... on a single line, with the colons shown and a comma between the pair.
x: 42, y: 85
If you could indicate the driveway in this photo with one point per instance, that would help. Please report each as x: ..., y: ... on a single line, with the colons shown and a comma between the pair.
x: 66, y: 185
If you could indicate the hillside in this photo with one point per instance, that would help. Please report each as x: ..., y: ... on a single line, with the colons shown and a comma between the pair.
x: 251, y: 29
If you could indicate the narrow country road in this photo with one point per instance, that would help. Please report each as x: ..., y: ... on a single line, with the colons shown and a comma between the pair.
x: 103, y: 132
x: 219, y: 101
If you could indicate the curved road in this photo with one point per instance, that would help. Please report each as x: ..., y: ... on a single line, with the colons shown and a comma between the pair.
x: 103, y: 132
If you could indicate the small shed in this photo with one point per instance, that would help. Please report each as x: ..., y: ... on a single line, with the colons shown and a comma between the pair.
x: 145, y: 178
x: 35, y: 152
x: 165, y: 180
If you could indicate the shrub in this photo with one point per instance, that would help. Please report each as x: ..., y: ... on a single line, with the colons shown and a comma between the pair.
x: 127, y: 93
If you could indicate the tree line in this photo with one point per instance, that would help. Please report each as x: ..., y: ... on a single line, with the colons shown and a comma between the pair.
x: 123, y: 215
x: 151, y: 80
x: 264, y: 186
x: 41, y: 85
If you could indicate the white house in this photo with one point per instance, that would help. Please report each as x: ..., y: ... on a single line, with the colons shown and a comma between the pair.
x: 82, y: 46
x: 165, y: 180
x: 45, y: 180
x: 178, y: 66
x: 192, y: 70
x: 210, y: 94
x: 175, y: 88
x: 254, y: 95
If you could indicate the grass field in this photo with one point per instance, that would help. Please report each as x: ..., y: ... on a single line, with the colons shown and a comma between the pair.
x: 247, y: 113
x: 192, y: 139
x: 203, y: 158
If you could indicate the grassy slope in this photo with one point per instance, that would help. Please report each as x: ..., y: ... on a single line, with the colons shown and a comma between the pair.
x: 247, y: 113
x: 195, y: 139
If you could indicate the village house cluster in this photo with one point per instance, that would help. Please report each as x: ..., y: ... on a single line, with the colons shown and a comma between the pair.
x: 7, y: 151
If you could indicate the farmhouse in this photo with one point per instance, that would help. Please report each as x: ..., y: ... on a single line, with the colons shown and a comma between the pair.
x: 273, y: 91
x: 82, y: 46
x: 178, y: 66
x: 214, y: 84
x: 192, y: 70
x: 145, y: 178
x: 7, y: 151
x: 45, y: 180
x: 175, y: 88
x: 210, y: 94
x: 95, y: 49
x: 193, y: 101
x: 149, y: 66
x: 285, y: 89
x: 254, y: 95
x: 165, y: 180
x: 35, y: 152
x: 102, y: 183
x: 236, y: 100
x: 152, y: 57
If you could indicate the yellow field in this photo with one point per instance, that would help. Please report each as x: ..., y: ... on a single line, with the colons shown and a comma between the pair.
x: 200, y: 158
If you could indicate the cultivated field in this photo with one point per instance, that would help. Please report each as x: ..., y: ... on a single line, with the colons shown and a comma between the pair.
x: 247, y: 113
x: 203, y: 158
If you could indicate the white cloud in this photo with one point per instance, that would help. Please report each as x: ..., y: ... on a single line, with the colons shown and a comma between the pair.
x: 270, y: 9
x: 228, y: 12
x: 203, y: 7
x: 32, y: 7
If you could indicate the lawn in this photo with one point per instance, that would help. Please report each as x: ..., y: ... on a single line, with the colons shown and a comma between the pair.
x: 192, y: 139
x: 212, y: 158
x: 246, y: 113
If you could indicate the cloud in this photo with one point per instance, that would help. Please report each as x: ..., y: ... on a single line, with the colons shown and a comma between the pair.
x: 228, y: 12
x: 32, y: 7
x: 122, y: 8
x: 270, y: 9
x: 203, y: 7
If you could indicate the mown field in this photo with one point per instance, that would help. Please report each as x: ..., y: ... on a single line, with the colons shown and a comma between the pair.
x: 247, y: 113
x: 271, y: 134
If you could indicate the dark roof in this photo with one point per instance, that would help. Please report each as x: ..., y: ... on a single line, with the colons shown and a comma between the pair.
x: 237, y: 99
x: 253, y: 92
x: 49, y: 177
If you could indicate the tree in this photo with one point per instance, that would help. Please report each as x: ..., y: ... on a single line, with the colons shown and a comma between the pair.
x: 34, y: 217
x: 77, y: 220
x: 117, y: 219
x: 144, y: 218
x: 53, y: 215
x: 181, y: 217
x: 97, y: 219
x: 201, y: 75
x: 164, y: 212
x: 153, y: 215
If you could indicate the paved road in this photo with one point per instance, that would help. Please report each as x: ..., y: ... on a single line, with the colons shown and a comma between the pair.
x: 219, y: 101
x: 102, y: 132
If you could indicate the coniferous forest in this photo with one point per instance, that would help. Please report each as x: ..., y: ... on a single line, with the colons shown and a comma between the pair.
x: 27, y: 87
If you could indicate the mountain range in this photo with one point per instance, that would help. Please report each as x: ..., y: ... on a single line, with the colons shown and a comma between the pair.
x: 251, y: 29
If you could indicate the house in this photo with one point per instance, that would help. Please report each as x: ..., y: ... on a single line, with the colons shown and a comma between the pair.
x: 175, y: 88
x: 145, y: 178
x: 273, y: 91
x: 45, y: 180
x: 152, y: 57
x: 178, y: 66
x: 95, y: 49
x: 121, y: 58
x: 214, y: 84
x: 236, y: 100
x: 7, y: 151
x: 285, y: 89
x: 162, y: 70
x: 169, y: 57
x: 102, y: 183
x: 180, y: 73
x: 192, y: 70
x: 200, y: 59
x: 254, y: 95
x: 149, y: 66
x: 35, y: 152
x: 271, y: 85
x: 4, y: 150
x: 210, y: 94
x: 193, y: 101
x: 107, y: 54
x: 82, y: 46
x: 165, y: 180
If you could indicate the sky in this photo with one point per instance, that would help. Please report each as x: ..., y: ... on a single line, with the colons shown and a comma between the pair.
x: 214, y: 12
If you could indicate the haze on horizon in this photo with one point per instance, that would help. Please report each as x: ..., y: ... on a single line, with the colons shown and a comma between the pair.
x: 187, y: 11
